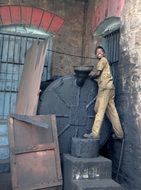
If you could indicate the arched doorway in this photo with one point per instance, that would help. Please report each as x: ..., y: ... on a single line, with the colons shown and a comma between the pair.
x: 109, y: 34
x: 14, y: 42
x: 109, y: 30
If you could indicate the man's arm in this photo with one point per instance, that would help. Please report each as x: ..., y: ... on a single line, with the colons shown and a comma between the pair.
x: 95, y: 75
x: 100, y: 66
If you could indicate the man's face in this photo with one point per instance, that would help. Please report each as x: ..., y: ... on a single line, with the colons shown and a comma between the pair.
x: 99, y: 53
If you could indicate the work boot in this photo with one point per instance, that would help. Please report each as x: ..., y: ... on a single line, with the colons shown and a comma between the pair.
x: 90, y: 136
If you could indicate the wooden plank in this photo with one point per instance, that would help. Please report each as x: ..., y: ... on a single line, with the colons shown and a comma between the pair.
x: 13, y: 157
x: 34, y: 153
x: 55, y: 136
x: 36, y: 148
x: 27, y: 99
x: 32, y: 121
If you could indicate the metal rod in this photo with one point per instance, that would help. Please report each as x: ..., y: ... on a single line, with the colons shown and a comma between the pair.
x: 12, y: 80
x: 4, y: 107
x: 120, y: 159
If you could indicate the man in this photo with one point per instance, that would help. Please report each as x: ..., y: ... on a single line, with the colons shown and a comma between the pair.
x: 105, y: 98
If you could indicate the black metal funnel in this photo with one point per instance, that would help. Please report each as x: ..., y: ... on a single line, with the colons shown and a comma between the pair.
x: 81, y: 73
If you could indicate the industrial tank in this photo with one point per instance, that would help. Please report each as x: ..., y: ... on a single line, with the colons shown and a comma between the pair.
x: 73, y: 105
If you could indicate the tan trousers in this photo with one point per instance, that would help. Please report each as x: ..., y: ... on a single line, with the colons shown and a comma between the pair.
x: 105, y: 103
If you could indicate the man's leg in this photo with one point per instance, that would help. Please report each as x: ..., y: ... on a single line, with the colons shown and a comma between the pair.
x: 101, y: 105
x: 112, y: 114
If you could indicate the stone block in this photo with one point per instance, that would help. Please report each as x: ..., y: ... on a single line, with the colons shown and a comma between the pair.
x: 84, y: 168
x: 85, y: 148
x: 5, y: 181
x: 102, y: 184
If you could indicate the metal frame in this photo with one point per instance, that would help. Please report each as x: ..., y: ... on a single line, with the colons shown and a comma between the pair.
x: 111, y: 42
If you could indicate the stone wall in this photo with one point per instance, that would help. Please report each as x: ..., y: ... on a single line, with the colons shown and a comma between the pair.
x: 90, y: 40
x: 129, y: 93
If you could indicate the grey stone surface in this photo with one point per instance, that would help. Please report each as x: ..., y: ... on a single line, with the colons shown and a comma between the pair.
x: 103, y: 184
x: 129, y: 95
x: 5, y: 181
x: 85, y: 148
x: 84, y: 168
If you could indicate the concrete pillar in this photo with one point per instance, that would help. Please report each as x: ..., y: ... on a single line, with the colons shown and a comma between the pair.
x: 129, y: 92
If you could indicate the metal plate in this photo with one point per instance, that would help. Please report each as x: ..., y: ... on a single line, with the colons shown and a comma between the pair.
x: 74, y: 109
x: 34, y: 154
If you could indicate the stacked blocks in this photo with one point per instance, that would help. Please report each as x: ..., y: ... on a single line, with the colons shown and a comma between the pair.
x: 84, y: 169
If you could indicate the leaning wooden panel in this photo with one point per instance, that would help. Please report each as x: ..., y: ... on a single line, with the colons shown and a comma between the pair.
x: 27, y: 98
x: 34, y: 153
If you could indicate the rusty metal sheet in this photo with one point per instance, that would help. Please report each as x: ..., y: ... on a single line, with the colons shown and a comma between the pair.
x: 28, y: 94
x: 34, y: 154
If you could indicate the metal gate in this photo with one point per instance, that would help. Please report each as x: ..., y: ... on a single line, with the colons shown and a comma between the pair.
x: 13, y: 47
x: 112, y: 51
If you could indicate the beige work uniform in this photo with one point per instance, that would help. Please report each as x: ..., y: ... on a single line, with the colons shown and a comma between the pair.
x: 105, y: 101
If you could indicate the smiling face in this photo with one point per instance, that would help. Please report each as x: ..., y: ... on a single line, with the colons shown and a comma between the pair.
x: 99, y: 53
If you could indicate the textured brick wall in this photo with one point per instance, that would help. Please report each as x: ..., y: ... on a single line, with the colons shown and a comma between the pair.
x: 105, y: 9
x: 90, y: 40
x: 69, y: 38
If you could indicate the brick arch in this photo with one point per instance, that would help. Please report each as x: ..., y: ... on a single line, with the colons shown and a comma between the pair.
x: 106, y: 9
x: 30, y: 16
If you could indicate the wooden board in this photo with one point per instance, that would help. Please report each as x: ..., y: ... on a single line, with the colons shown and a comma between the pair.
x: 34, y: 154
x: 27, y: 99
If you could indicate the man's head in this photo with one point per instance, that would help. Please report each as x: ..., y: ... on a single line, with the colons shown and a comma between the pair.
x: 99, y: 52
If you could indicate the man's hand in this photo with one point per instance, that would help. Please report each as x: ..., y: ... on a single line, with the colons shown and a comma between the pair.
x: 95, y: 75
x: 91, y: 77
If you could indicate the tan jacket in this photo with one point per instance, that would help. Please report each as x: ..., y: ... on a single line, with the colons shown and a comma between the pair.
x: 105, y: 80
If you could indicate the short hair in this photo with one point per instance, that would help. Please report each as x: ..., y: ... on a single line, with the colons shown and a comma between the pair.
x: 99, y: 47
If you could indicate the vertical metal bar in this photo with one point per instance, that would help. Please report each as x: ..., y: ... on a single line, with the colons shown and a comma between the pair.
x: 25, y: 47
x: 108, y: 47
x: 11, y: 95
x: 117, y: 41
x: 5, y: 82
x: 1, y: 50
x: 115, y: 46
x: 49, y: 60
x: 113, y: 57
x: 19, y: 58
x: 112, y: 40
